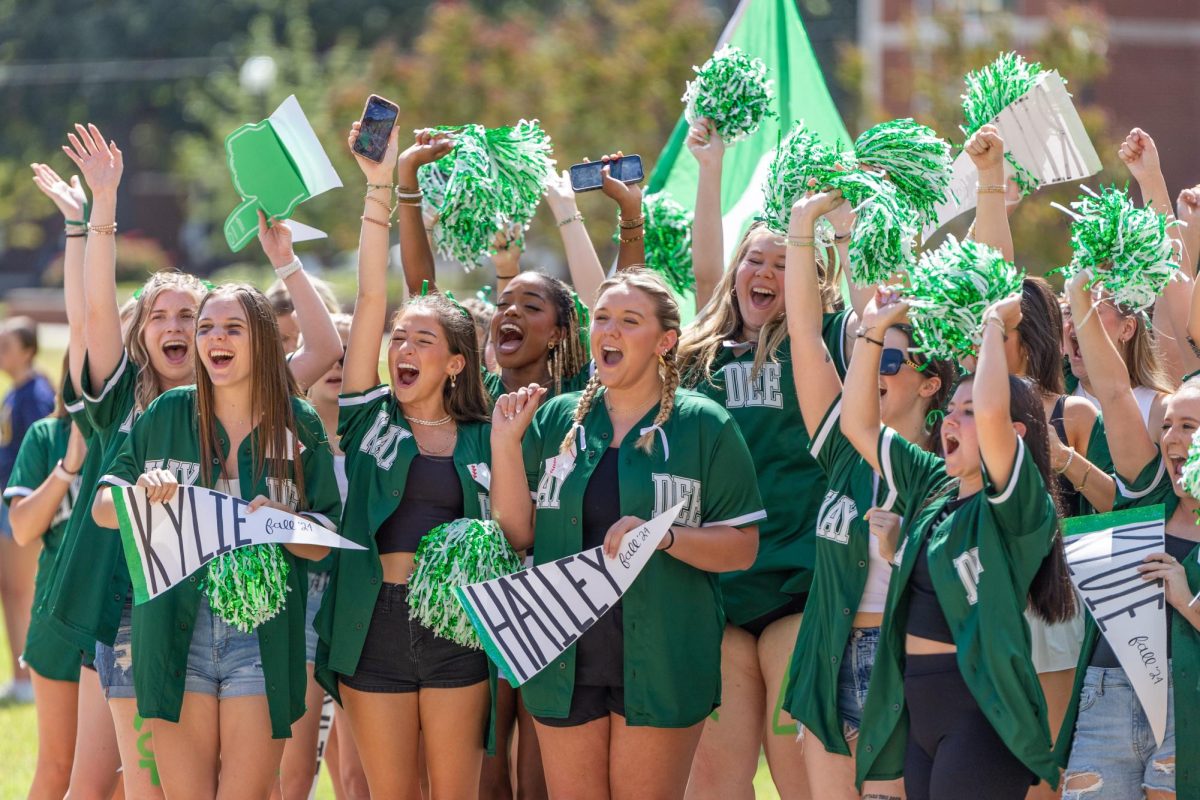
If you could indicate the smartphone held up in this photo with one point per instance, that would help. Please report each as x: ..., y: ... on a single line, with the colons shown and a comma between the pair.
x: 588, y: 176
x: 378, y: 119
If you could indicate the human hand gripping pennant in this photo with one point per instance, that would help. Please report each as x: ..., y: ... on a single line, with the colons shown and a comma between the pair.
x: 527, y: 619
x: 167, y: 542
x: 276, y: 165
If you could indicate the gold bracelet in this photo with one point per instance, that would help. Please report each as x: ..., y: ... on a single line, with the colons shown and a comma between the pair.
x: 389, y: 209
x: 374, y: 221
x: 631, y: 239
x: 630, y: 224
x: 391, y: 187
x: 576, y: 217
x: 103, y: 230
x: 1086, y: 472
x: 801, y: 241
x: 990, y: 188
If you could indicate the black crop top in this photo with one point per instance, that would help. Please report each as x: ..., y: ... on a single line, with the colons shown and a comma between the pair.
x: 600, y: 652
x: 925, y: 616
x: 1104, y: 656
x: 432, y: 496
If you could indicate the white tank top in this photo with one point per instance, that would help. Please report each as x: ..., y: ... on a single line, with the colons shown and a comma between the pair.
x: 1143, y: 394
x: 879, y: 573
x: 339, y: 473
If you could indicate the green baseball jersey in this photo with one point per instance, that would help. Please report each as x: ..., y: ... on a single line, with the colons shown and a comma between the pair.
x: 92, y: 585
x: 1153, y: 487
x: 166, y: 436
x: 839, y: 577
x: 766, y: 409
x: 379, y: 447
x: 46, y: 652
x: 494, y: 385
x: 982, y: 560
x: 673, y: 615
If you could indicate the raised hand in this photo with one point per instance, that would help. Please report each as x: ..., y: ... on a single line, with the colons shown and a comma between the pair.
x: 428, y: 146
x: 560, y: 196
x: 884, y: 310
x: 375, y: 173
x: 986, y: 149
x: 1140, y: 155
x: 514, y: 411
x: 276, y: 240
x: 100, y: 161
x: 628, y: 196
x: 69, y: 197
x: 1008, y: 311
x: 1187, y: 207
x: 814, y: 205
x: 705, y: 143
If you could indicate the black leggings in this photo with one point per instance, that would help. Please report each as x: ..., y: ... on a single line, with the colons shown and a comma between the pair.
x: 953, y: 751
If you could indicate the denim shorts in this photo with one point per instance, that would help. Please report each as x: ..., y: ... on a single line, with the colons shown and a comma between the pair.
x: 1114, y: 742
x: 5, y: 525
x: 223, y: 661
x: 402, y: 655
x: 114, y: 665
x: 854, y: 677
x: 317, y: 582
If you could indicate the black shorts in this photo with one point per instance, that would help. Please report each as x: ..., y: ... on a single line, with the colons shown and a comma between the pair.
x: 402, y: 655
x: 795, y: 605
x: 599, y: 673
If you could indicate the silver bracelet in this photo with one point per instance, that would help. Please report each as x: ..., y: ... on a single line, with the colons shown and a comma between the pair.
x: 1070, y: 458
x: 288, y: 269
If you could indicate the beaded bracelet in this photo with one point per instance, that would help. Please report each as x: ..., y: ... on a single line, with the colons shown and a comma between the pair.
x: 103, y: 230
x: 576, y: 217
x: 365, y: 218
x: 630, y: 224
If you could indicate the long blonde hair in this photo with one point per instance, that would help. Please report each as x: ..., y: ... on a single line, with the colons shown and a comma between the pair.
x: 721, y: 319
x: 272, y: 390
x: 1142, y: 356
x: 666, y: 311
x: 147, y: 385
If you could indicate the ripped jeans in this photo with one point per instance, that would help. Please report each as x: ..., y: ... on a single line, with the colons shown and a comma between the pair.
x: 1114, y: 755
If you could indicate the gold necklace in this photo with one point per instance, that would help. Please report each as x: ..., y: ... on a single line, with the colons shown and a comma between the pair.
x: 430, y: 452
x: 429, y: 423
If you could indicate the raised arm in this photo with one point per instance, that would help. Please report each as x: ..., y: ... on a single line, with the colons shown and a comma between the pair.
x: 506, y: 259
x: 512, y: 506
x: 1129, y: 442
x: 708, y: 244
x: 70, y: 200
x: 360, y: 371
x: 582, y: 261
x: 861, y: 422
x: 817, y: 385
x: 1187, y: 211
x: 986, y: 150
x: 631, y: 250
x: 101, y: 163
x: 415, y: 251
x: 322, y: 345
x: 991, y: 394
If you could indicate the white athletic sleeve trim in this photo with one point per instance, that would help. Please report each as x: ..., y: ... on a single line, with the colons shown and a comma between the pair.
x: 113, y: 480
x: 832, y: 417
x: 1128, y: 493
x: 17, y: 491
x: 74, y: 408
x: 320, y: 518
x: 885, y: 456
x: 365, y: 397
x: 842, y: 342
x: 112, y: 381
x: 1012, y: 479
x: 737, y: 522
x: 893, y: 494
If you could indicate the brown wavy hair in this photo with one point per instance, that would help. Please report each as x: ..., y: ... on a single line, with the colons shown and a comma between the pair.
x: 465, y: 399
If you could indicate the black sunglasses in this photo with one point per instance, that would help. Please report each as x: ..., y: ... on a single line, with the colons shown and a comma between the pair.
x: 892, y: 359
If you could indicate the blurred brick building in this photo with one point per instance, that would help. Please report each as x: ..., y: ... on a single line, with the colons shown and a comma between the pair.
x: 1153, y: 52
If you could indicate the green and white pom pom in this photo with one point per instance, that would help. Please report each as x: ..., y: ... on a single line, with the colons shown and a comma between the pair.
x: 914, y: 157
x: 949, y: 289
x: 494, y: 179
x: 731, y: 89
x: 992, y: 89
x: 1126, y: 248
x: 668, y: 240
x: 1190, y: 477
x: 885, y: 225
x: 248, y: 586
x: 431, y: 179
x: 800, y: 157
x: 458, y: 553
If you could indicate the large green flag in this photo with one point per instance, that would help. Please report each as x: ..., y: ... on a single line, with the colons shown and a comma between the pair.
x: 771, y: 30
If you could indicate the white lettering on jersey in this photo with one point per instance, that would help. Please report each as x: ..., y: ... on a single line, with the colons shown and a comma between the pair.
x: 671, y: 489
x: 550, y: 485
x: 127, y: 425
x: 382, y: 442
x: 834, y: 518
x: 742, y: 390
x: 68, y: 502
x: 485, y: 506
x: 283, y: 491
x: 969, y: 569
x: 186, y: 472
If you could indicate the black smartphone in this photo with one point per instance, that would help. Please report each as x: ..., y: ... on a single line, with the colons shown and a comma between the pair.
x: 378, y: 119
x: 586, y: 177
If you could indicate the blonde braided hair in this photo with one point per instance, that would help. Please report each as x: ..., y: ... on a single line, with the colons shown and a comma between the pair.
x: 666, y: 311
